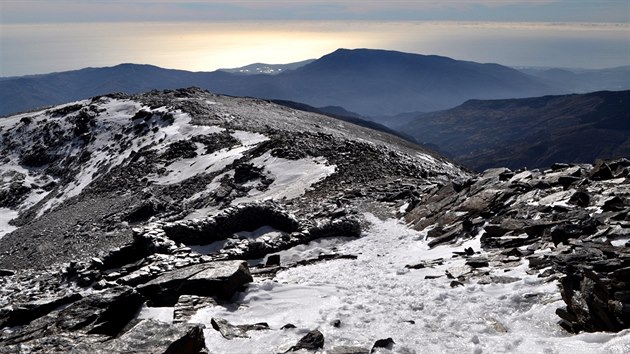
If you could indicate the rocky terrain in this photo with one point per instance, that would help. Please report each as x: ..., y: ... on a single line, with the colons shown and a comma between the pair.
x: 186, y: 222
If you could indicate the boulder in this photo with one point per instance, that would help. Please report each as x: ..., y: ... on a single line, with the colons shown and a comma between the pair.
x: 273, y: 260
x: 592, y: 304
x: 313, y: 340
x: 386, y: 343
x: 601, y: 171
x: 580, y: 198
x: 221, y: 279
x: 230, y: 331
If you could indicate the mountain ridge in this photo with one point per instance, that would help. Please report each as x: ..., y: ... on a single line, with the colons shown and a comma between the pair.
x: 366, y: 84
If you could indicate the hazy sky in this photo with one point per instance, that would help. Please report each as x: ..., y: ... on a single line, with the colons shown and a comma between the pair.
x: 38, y: 36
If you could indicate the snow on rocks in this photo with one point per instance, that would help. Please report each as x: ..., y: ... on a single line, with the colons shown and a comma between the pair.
x: 160, y: 197
x: 106, y: 164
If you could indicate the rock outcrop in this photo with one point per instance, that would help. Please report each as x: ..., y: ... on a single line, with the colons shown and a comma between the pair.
x: 220, y: 279
x: 574, y: 216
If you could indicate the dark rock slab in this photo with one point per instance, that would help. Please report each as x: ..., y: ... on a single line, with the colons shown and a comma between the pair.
x: 614, y: 204
x: 601, y: 171
x: 58, y: 343
x: 477, y: 262
x: 150, y: 336
x: 23, y: 314
x: 273, y: 260
x: 106, y: 313
x: 6, y: 272
x: 451, y: 235
x: 580, y: 198
x: 221, y: 279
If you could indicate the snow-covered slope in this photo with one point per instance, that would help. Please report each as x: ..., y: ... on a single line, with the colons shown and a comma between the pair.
x: 182, y: 219
x: 116, y: 161
x: 376, y: 296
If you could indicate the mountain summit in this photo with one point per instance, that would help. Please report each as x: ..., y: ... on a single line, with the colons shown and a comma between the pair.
x: 374, y: 82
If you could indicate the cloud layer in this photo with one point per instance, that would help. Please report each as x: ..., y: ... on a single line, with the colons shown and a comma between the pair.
x: 54, y: 11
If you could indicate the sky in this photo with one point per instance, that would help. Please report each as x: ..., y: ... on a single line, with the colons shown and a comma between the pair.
x: 41, y: 36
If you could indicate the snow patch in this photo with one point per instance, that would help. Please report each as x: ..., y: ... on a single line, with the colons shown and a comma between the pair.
x: 375, y: 297
x: 162, y: 314
x: 291, y: 177
x: 183, y: 169
x: 7, y: 215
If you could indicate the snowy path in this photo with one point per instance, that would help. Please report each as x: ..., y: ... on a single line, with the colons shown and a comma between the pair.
x: 375, y: 297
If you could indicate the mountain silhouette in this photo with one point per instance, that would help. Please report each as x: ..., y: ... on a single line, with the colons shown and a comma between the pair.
x: 369, y: 82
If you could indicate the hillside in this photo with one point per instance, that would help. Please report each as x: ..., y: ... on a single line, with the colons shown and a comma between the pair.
x: 182, y: 221
x: 369, y: 82
x: 532, y: 132
x: 179, y: 153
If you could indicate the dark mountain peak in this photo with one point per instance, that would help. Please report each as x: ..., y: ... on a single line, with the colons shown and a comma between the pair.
x: 133, y: 66
x: 377, y: 53
x: 358, y: 59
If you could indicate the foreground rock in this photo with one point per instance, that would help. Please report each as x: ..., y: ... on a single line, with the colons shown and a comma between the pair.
x: 570, y: 222
x: 105, y: 313
x: 313, y: 340
x: 221, y: 279
x: 151, y: 336
x: 230, y: 331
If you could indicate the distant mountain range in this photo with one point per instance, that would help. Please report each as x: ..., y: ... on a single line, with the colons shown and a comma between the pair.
x: 369, y: 82
x: 584, y: 80
x: 530, y: 132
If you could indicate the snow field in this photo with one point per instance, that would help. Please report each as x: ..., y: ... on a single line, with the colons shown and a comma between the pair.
x: 376, y: 297
x: 7, y: 215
